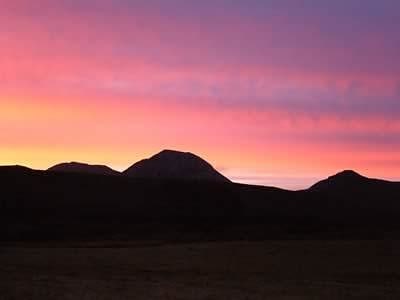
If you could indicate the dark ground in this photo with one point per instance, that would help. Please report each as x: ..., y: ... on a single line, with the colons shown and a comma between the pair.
x: 80, y: 236
x: 287, y: 269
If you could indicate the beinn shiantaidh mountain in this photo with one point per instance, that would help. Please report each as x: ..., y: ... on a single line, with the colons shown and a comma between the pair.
x: 180, y: 188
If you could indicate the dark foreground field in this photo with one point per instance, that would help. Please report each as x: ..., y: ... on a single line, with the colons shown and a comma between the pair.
x: 222, y: 270
x: 336, y: 240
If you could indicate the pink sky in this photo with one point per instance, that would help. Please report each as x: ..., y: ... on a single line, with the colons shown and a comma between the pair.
x: 273, y: 94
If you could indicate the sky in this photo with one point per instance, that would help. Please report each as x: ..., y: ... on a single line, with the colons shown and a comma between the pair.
x: 279, y: 92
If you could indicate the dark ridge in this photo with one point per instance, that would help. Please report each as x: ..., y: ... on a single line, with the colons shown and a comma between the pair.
x: 45, y: 205
x: 346, y: 178
x: 348, y: 174
x: 15, y: 168
x: 75, y: 167
x: 170, y: 164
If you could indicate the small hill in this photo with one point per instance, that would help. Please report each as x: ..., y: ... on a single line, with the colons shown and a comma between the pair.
x: 344, y: 179
x: 349, y: 180
x: 170, y: 164
x: 15, y: 170
x: 75, y: 167
x: 351, y: 197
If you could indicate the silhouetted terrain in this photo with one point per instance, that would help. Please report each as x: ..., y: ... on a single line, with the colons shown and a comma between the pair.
x: 75, y: 167
x: 79, y: 205
x: 160, y: 234
x: 169, y: 164
x: 348, y: 195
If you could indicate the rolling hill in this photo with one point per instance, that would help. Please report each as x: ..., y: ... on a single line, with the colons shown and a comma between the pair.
x: 170, y: 164
x: 76, y: 167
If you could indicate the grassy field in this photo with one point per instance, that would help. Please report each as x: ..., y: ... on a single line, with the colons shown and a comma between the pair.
x: 221, y: 270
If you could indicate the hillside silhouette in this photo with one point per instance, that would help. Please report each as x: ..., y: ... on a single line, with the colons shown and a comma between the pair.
x: 153, y: 198
x: 347, y: 179
x: 170, y: 164
x: 75, y: 167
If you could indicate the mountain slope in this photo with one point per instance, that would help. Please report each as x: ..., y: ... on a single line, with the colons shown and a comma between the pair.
x: 349, y: 180
x: 50, y: 205
x: 170, y: 164
x: 351, y: 197
x: 75, y: 167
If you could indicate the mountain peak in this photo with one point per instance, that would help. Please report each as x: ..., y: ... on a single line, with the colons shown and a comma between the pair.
x: 346, y: 178
x: 348, y: 174
x: 170, y: 151
x: 77, y: 167
x: 173, y: 164
x: 174, y: 153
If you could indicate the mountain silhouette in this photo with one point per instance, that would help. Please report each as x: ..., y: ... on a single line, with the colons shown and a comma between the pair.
x: 15, y: 170
x: 353, y: 198
x: 348, y: 179
x: 71, y: 201
x: 75, y: 167
x: 170, y: 164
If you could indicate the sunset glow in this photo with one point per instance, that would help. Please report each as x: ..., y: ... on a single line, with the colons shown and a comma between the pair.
x: 267, y: 94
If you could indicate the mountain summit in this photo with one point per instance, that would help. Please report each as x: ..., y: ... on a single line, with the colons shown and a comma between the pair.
x: 75, y: 167
x: 171, y: 164
x: 344, y: 179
